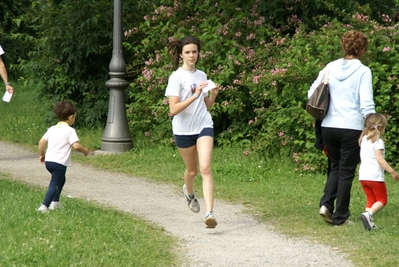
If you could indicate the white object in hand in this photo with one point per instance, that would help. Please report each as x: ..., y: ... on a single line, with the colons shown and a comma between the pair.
x: 211, y: 85
x: 7, y: 96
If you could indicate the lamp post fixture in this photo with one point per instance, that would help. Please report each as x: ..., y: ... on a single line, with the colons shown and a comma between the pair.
x: 116, y: 137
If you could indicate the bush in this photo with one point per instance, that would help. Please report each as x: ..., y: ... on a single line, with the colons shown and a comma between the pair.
x: 72, y: 51
x: 264, y: 73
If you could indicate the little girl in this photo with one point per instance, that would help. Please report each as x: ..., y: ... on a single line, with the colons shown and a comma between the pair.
x: 372, y: 166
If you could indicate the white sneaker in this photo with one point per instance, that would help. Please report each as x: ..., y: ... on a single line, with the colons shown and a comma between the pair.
x: 210, y: 220
x: 193, y: 203
x: 55, y: 205
x: 326, y: 214
x: 43, y: 209
x: 367, y: 220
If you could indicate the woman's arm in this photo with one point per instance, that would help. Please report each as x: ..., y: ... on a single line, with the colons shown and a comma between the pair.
x: 211, y: 98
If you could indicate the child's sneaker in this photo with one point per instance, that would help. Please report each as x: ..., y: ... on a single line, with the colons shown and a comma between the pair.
x: 193, y: 203
x: 210, y: 220
x: 367, y: 220
x: 43, y: 209
x: 55, y: 205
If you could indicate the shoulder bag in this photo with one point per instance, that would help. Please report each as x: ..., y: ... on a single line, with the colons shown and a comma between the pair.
x: 319, y: 102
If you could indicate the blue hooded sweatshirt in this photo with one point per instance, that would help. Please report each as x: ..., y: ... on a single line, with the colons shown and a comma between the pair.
x: 351, y: 92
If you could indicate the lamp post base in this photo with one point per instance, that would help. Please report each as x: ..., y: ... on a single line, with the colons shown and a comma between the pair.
x: 116, y: 146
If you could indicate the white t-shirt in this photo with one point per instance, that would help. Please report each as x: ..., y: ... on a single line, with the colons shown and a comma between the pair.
x: 369, y: 168
x: 1, y: 51
x: 60, y: 139
x: 196, y: 116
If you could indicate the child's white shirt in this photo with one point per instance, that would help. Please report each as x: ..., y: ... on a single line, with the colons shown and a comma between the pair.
x: 369, y: 168
x: 60, y: 139
x: 1, y: 51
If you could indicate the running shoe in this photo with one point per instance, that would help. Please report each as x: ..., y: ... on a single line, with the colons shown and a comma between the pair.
x: 210, y: 220
x: 192, y: 202
x: 367, y: 220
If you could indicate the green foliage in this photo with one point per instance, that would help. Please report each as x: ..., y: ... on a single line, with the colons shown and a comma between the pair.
x: 71, y: 53
x: 226, y: 52
x: 264, y: 72
x: 10, y: 11
x: 72, y: 49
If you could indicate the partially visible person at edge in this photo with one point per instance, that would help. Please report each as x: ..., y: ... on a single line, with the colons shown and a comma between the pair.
x: 192, y: 123
x: 60, y: 138
x: 372, y: 166
x: 351, y: 92
x: 4, y: 74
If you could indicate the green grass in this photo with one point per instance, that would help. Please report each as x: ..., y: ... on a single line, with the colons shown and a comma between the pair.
x: 83, y: 234
x: 271, y: 188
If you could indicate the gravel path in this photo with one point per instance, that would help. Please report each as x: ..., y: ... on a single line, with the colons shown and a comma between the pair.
x: 239, y: 240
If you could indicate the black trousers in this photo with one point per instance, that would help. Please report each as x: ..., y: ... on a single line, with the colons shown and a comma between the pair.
x: 344, y: 153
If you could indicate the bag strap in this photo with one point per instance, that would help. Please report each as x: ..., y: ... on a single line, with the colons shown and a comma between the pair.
x: 326, y: 75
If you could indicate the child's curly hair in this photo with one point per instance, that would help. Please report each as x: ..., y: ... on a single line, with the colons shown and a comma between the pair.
x: 64, y: 109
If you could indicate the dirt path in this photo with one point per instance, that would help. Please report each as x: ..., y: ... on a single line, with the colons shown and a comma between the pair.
x: 239, y: 240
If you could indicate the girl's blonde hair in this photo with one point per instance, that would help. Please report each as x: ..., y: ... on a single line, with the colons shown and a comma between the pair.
x: 374, y: 127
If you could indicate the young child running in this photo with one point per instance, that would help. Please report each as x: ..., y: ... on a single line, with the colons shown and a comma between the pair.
x: 61, y: 138
x: 192, y: 123
x: 372, y: 166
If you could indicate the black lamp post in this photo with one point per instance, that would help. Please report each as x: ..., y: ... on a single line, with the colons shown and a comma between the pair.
x: 116, y: 137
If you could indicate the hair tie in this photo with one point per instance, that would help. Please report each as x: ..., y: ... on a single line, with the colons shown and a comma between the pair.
x: 375, y: 127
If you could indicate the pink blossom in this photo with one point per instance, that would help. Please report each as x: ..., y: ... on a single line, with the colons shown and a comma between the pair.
x: 251, y: 36
x: 256, y: 78
x: 386, y: 49
x: 281, y: 41
x: 245, y: 153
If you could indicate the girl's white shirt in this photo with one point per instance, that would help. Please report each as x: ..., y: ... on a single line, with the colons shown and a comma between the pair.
x: 369, y: 168
x: 1, y: 51
x: 60, y: 139
x: 196, y: 116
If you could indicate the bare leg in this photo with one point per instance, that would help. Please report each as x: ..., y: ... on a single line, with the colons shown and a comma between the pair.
x: 377, y: 206
x: 189, y: 156
x: 205, y: 147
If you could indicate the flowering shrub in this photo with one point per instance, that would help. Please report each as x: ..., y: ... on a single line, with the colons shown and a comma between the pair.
x: 264, y: 74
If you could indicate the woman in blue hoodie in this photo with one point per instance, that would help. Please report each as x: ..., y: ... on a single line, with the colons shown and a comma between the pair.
x: 351, y: 92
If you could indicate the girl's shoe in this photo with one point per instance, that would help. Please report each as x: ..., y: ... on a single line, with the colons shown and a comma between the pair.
x: 367, y: 220
x: 192, y: 202
x: 210, y: 220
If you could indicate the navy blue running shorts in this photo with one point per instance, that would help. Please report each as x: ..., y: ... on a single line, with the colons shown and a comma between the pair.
x: 185, y: 141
